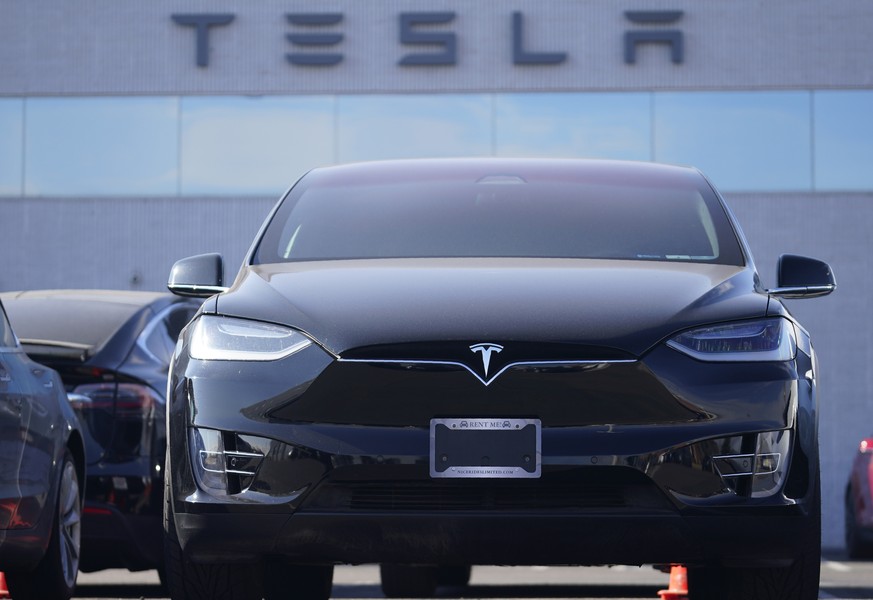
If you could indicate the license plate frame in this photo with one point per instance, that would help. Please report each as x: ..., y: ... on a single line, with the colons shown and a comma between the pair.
x: 485, y: 448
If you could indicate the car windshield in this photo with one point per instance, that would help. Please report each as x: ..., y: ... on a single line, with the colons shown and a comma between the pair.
x: 502, y: 215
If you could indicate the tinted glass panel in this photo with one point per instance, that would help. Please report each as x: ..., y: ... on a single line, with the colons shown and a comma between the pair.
x: 215, y: 145
x: 757, y: 141
x: 101, y: 146
x: 574, y: 125
x: 11, y: 147
x: 260, y: 145
x: 159, y: 339
x: 415, y: 126
x: 844, y: 140
x: 499, y: 216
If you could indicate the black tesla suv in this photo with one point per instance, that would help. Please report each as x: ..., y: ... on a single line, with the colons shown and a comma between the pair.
x: 433, y: 364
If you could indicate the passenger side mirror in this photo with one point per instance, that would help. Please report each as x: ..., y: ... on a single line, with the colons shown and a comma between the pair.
x: 803, y: 277
x: 198, y: 276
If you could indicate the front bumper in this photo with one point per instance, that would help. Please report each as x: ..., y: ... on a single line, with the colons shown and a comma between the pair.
x: 630, y: 470
x: 585, y: 509
x: 744, y: 538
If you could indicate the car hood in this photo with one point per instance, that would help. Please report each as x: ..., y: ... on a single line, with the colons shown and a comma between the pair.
x: 624, y: 305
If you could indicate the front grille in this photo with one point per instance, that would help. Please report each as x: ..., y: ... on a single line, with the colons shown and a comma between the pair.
x: 411, y: 394
x: 582, y: 490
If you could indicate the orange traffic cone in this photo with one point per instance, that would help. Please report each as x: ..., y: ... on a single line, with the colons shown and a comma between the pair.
x: 4, y: 591
x: 678, y: 589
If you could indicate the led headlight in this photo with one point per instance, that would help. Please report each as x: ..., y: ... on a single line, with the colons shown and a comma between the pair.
x: 227, y: 338
x: 772, y: 339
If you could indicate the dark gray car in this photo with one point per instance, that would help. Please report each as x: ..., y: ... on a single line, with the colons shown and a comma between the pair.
x: 42, y: 474
x: 112, y: 350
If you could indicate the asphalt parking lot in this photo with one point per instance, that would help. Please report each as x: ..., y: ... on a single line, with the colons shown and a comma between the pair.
x: 841, y: 579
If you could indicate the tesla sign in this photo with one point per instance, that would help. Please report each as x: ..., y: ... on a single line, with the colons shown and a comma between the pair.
x: 316, y: 39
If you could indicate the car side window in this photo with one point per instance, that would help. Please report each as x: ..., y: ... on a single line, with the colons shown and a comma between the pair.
x: 177, y: 319
x: 160, y: 340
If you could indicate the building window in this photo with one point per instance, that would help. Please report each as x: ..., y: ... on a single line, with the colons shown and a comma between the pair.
x: 843, y: 140
x: 755, y: 141
x: 413, y: 126
x: 744, y: 141
x: 101, y: 146
x: 258, y: 145
x: 12, y: 126
x: 597, y: 125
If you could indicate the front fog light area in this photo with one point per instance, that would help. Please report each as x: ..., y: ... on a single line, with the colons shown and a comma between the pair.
x: 771, y: 463
x: 758, y: 474
x: 207, y: 460
x: 223, y: 463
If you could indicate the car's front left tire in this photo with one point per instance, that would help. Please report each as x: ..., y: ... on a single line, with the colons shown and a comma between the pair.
x: 297, y: 582
x: 408, y: 581
x: 55, y: 576
x: 188, y: 580
x: 797, y: 581
x: 454, y: 576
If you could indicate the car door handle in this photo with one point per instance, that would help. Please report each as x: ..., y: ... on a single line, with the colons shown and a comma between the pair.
x: 5, y: 378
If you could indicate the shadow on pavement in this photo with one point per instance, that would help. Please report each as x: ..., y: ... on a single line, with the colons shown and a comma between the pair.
x: 514, y: 591
x: 120, y: 591
x: 375, y: 591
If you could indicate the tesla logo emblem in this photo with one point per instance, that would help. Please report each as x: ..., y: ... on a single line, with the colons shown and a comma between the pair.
x: 486, y: 350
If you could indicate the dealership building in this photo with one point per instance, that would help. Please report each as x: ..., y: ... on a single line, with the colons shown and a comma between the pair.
x: 137, y: 132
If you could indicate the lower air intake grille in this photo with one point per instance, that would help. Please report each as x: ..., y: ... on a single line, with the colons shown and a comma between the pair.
x: 546, y: 494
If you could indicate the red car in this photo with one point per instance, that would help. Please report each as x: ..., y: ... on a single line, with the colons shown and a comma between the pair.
x: 859, y: 503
